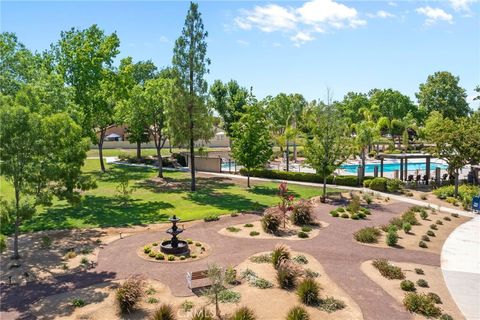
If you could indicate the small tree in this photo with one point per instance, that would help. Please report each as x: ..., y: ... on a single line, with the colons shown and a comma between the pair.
x: 327, y: 145
x: 286, y: 200
x: 217, y: 278
x: 251, y: 145
x: 124, y: 192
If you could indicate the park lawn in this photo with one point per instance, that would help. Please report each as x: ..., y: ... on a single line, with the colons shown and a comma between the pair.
x: 132, y: 152
x: 152, y: 200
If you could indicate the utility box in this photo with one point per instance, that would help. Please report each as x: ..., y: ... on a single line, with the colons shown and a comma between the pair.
x: 476, y: 203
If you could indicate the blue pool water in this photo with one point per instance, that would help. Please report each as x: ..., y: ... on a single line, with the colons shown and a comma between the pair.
x: 390, y: 167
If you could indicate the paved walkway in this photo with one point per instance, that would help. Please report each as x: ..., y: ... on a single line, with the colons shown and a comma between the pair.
x: 460, y: 261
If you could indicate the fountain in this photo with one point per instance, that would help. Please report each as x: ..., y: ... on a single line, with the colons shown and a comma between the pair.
x: 174, y: 246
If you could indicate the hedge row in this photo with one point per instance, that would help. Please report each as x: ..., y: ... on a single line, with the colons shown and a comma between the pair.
x: 303, y: 177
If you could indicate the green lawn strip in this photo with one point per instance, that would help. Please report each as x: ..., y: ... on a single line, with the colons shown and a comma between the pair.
x: 152, y: 203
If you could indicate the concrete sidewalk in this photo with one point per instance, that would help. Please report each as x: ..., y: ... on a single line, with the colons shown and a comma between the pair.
x: 460, y: 261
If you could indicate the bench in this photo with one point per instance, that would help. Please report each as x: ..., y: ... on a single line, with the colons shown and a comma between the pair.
x: 196, y: 275
x: 199, y: 275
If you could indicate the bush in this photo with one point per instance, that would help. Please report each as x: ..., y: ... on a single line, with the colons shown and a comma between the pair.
x: 341, y: 209
x: 354, y: 216
x: 233, y: 229
x: 354, y: 205
x: 311, y: 274
x: 367, y: 235
x: 203, y: 314
x: 270, y: 223
x: 280, y: 253
x: 261, y: 283
x: 210, y: 218
x: 301, y: 213
x: 306, y: 229
x: 330, y: 304
x: 435, y: 297
x: 422, y: 283
x: 465, y: 192
x: 243, y: 313
x: 433, y: 227
x: 392, y: 238
x: 254, y: 233
x: 387, y: 270
x: 171, y: 257
x: 230, y: 275
x: 421, y: 304
x: 3, y: 243
x: 423, y: 214
x: 410, y: 217
x: 447, y: 219
x: 345, y: 215
x: 422, y: 244
x: 397, y: 222
x: 425, y: 238
x: 407, y: 285
x: 130, y: 293
x: 164, y: 312
x: 228, y: 296
x: 297, y: 313
x: 379, y: 184
x: 263, y: 258
x: 193, y: 256
x: 430, y: 233
x: 407, y: 227
x: 248, y: 225
x: 301, y: 259
x: 446, y: 316
x: 152, y: 300
x: 368, y: 199
x: 70, y: 255
x: 439, y: 222
x: 367, y: 183
x: 419, y: 271
x: 152, y: 254
x: 302, y: 176
x: 147, y: 249
x: 455, y: 215
x: 287, y: 274
x: 394, y: 185
x: 302, y: 235
x: 308, y: 291
x: 361, y: 215
x: 334, y: 213
x: 78, y: 303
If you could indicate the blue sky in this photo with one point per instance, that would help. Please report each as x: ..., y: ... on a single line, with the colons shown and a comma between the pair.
x: 284, y: 46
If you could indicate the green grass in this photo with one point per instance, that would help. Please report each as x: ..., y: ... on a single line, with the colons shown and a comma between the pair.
x: 152, y: 203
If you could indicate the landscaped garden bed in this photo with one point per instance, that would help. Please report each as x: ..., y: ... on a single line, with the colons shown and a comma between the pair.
x: 420, y: 289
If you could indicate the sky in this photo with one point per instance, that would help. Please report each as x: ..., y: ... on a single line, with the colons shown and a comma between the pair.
x: 283, y: 46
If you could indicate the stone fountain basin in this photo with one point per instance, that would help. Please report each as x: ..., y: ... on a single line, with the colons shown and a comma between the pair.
x: 182, y: 248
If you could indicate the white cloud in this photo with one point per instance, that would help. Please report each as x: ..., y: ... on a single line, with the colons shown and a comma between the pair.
x: 434, y: 14
x: 243, y: 43
x: 381, y: 14
x: 268, y: 18
x: 461, y: 5
x: 314, y: 16
x: 301, y: 38
x: 392, y: 4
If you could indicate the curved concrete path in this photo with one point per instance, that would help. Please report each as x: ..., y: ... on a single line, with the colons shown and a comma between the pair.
x: 460, y: 262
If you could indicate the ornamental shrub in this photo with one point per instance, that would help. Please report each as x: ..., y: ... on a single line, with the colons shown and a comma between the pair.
x: 164, y: 312
x: 433, y: 227
x: 394, y: 185
x: 430, y: 233
x: 388, y: 270
x: 270, y: 223
x: 447, y: 219
x: 407, y: 227
x: 302, y: 235
x: 301, y: 213
x: 243, y: 313
x: 446, y: 316
x: 439, y: 222
x: 422, y: 304
x: 379, y: 184
x: 422, y: 283
x: 423, y: 214
x: 367, y: 235
x: 392, y: 238
x: 280, y: 253
x: 130, y: 293
x: 287, y: 274
x: 407, y: 285
x: 410, y: 217
x: 297, y: 313
x: 419, y: 271
x: 422, y: 244
x: 435, y: 297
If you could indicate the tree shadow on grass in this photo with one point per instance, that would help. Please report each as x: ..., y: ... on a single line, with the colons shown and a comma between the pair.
x: 224, y: 201
x: 99, y: 211
x: 115, y: 172
x: 176, y: 185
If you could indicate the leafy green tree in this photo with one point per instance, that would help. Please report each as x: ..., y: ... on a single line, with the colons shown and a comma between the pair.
x: 477, y: 90
x: 327, y: 145
x: 449, y: 142
x: 352, y: 105
x: 442, y: 93
x: 84, y: 59
x: 392, y: 103
x: 251, y: 145
x: 366, y: 134
x: 230, y: 101
x: 17, y: 64
x: 42, y: 156
x: 192, y: 120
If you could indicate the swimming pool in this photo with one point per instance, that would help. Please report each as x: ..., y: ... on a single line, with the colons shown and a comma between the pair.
x: 390, y: 167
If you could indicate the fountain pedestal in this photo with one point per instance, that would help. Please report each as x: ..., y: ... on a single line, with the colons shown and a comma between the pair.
x: 174, y: 246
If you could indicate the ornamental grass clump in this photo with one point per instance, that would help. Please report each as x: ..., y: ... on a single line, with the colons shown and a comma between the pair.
x: 130, y: 293
x: 301, y: 213
x: 297, y: 313
x: 287, y: 274
x: 279, y: 254
x: 164, y: 312
x: 243, y: 313
x: 388, y: 270
x: 308, y: 292
x: 367, y: 235
x: 270, y: 223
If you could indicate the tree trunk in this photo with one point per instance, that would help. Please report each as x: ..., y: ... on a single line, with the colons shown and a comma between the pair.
x: 139, y: 151
x: 159, y: 160
x: 17, y: 225
x: 456, y: 183
x: 288, y: 156
x: 217, y: 308
x: 192, y: 162
x: 248, y: 178
x: 295, y: 150
x: 362, y: 175
x: 100, y: 149
x: 324, y: 192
